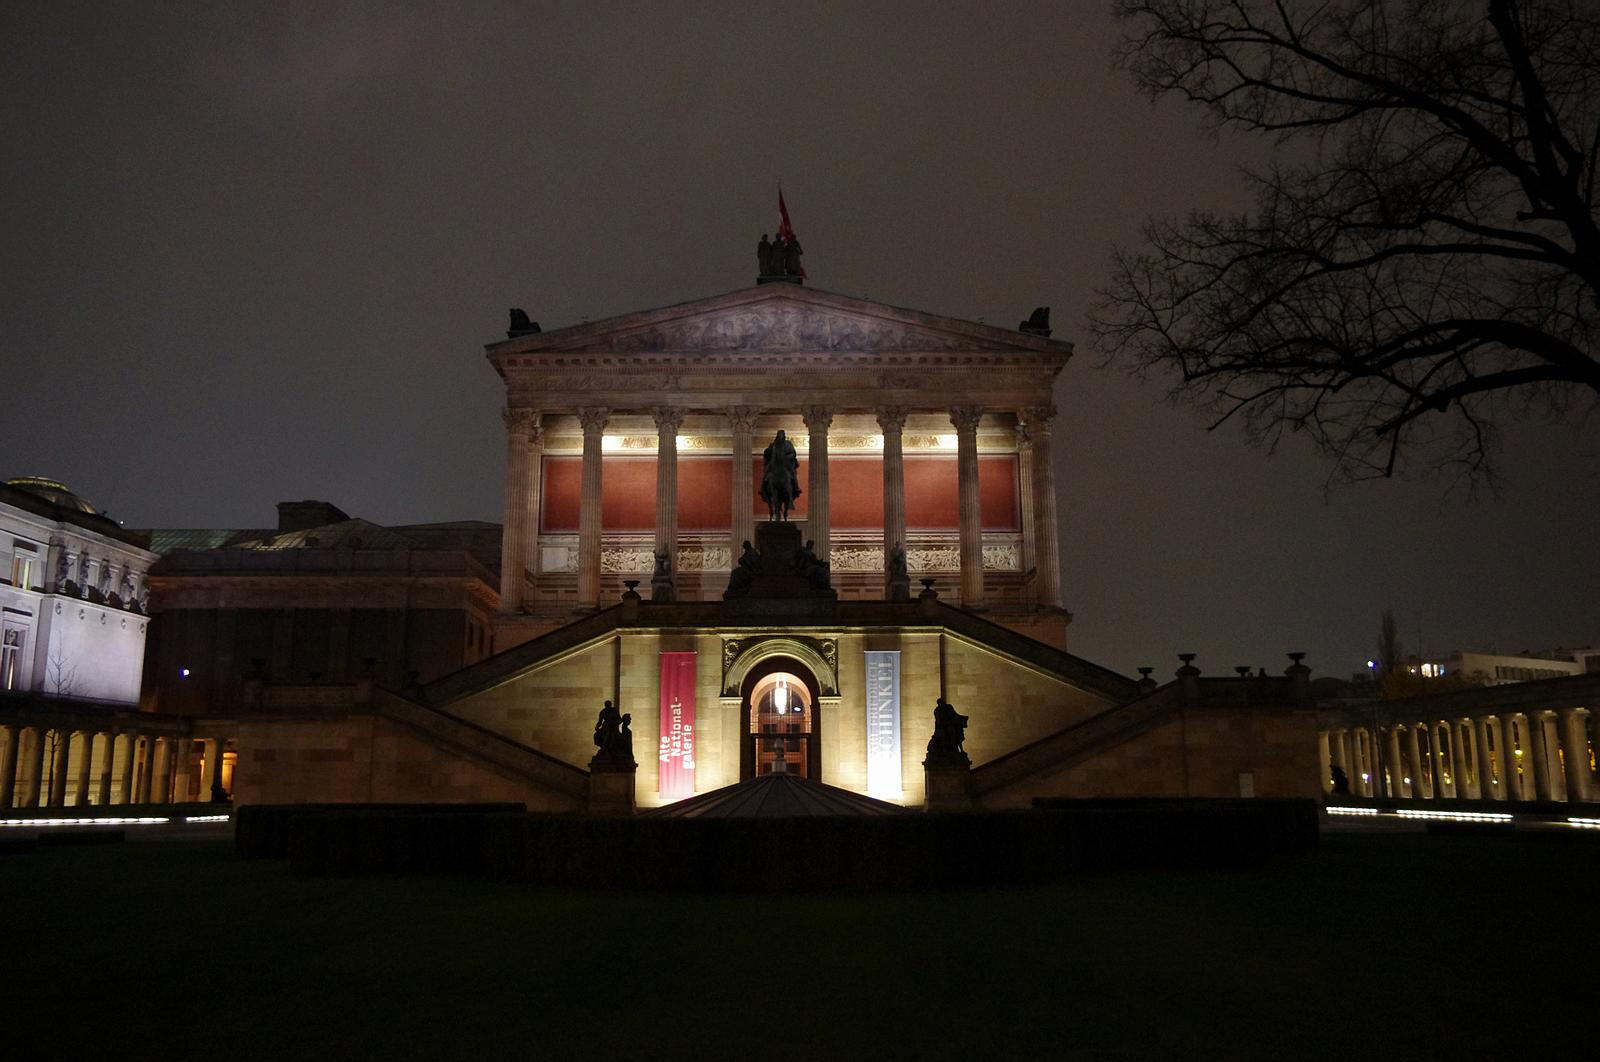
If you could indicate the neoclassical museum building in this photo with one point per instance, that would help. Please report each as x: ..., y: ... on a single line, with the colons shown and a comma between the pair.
x: 638, y: 564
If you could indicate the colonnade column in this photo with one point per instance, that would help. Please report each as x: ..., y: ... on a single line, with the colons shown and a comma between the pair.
x: 58, y: 768
x: 743, y: 525
x: 106, y: 766
x: 147, y: 771
x: 818, y: 419
x: 1441, y: 760
x: 1575, y: 748
x: 892, y: 422
x: 1397, y: 771
x: 524, y: 443
x: 8, y: 767
x: 965, y: 419
x: 1346, y: 761
x: 1539, y: 753
x: 1414, y: 744
x: 1486, y: 761
x: 1325, y: 760
x: 668, y: 419
x: 1045, y: 542
x: 84, y: 766
x: 1508, y: 759
x: 593, y: 419
x: 130, y: 750
x: 182, y: 749
x: 1458, y: 761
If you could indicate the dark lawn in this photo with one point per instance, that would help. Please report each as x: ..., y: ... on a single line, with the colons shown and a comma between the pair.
x: 1395, y: 945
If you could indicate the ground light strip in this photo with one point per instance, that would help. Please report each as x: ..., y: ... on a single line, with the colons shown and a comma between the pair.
x: 149, y: 821
x: 1583, y: 824
x: 1455, y: 816
x: 1352, y: 811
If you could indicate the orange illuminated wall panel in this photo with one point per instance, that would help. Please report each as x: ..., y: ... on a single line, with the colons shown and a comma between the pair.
x: 855, y: 493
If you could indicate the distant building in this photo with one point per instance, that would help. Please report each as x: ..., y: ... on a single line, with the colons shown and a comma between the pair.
x: 72, y: 590
x: 320, y: 598
x: 1500, y: 669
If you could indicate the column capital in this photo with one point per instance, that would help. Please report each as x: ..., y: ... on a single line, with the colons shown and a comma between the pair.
x: 891, y: 418
x: 817, y: 418
x: 668, y: 418
x: 743, y: 418
x: 966, y: 418
x: 520, y: 420
x: 593, y: 418
x: 1035, y: 420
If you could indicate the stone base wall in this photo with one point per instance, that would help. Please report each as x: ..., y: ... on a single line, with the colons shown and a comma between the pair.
x: 1204, y: 752
x: 365, y: 759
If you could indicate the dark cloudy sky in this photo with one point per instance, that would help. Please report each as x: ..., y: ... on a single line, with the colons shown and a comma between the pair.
x: 252, y: 252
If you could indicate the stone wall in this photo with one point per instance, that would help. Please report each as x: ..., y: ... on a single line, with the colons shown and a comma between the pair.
x: 362, y: 758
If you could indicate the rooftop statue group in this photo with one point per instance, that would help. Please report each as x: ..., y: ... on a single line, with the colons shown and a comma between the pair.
x: 613, y: 737
x: 779, y: 257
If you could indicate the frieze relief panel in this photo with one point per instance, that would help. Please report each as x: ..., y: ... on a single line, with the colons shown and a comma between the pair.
x: 780, y: 329
x: 1001, y: 553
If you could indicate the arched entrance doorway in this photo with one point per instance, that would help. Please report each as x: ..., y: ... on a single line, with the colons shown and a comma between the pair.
x: 781, y: 730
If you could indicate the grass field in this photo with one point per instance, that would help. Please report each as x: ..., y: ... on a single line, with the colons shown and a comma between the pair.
x: 1375, y: 946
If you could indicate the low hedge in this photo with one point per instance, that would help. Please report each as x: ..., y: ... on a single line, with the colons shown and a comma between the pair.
x: 261, y: 831
x: 824, y: 853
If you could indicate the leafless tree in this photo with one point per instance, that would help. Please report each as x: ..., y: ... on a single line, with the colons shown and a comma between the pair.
x: 60, y: 674
x: 1389, y: 648
x: 1423, y: 258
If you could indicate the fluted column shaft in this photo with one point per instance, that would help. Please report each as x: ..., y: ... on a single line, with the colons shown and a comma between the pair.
x: 147, y: 770
x: 1458, y: 759
x: 1419, y: 788
x: 85, y: 763
x: 521, y: 533
x: 1508, y: 757
x: 668, y: 419
x: 1539, y: 753
x: 818, y: 419
x: 743, y: 524
x: 593, y: 419
x: 965, y: 419
x: 8, y: 768
x: 58, y: 769
x: 1397, y: 772
x: 182, y: 748
x: 1575, y: 753
x: 1486, y: 761
x: 1046, y: 542
x: 107, y: 763
x: 130, y: 750
x: 892, y: 422
x: 1025, y: 496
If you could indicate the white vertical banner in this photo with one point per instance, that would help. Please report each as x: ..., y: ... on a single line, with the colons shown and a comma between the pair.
x: 883, y: 725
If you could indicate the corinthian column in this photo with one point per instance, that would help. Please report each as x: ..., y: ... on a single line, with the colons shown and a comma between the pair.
x: 593, y: 419
x: 668, y: 419
x: 966, y: 418
x: 892, y: 421
x: 743, y: 524
x: 818, y: 419
x: 517, y: 546
x: 1047, y: 546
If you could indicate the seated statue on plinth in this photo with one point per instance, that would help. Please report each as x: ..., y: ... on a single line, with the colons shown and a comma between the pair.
x: 949, y: 732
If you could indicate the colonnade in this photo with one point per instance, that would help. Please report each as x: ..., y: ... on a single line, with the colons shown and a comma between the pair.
x: 525, y: 452
x: 57, y: 767
x: 1536, y: 754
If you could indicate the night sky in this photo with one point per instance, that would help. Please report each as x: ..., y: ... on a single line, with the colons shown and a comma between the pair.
x: 252, y: 253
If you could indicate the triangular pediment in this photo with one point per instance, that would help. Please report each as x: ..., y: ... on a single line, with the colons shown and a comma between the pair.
x: 779, y: 319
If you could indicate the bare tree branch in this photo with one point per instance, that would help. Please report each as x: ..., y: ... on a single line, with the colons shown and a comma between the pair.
x: 1432, y: 269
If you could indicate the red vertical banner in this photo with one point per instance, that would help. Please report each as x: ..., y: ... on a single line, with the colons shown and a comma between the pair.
x: 677, y: 725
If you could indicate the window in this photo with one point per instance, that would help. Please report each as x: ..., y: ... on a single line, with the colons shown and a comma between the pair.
x: 24, y: 564
x: 11, y: 658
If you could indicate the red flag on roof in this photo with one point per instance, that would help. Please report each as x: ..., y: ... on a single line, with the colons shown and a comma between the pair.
x: 786, y: 234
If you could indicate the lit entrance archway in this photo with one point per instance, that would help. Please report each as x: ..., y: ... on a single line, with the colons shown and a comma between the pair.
x: 781, y: 733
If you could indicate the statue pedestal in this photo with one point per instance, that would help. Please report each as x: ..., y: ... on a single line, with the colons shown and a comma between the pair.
x: 948, y: 785
x: 661, y: 589
x: 779, y: 544
x: 611, y: 786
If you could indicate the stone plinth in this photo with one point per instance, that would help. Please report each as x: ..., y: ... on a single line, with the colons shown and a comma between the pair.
x: 777, y: 576
x: 948, y: 785
x: 611, y: 787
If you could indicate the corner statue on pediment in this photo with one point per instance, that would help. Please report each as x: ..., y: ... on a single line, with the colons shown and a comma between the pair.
x: 780, y: 477
x: 521, y: 325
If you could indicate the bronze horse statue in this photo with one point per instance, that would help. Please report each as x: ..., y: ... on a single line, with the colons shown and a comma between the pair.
x: 780, y: 477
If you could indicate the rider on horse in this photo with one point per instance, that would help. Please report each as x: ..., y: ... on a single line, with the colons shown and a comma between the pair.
x: 780, y: 476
